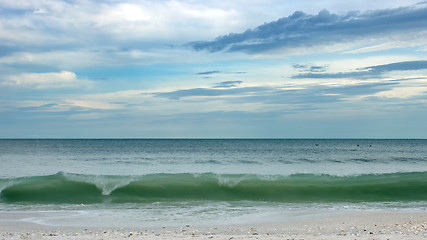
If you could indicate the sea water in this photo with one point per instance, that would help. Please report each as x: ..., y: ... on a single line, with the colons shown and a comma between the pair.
x: 168, y: 182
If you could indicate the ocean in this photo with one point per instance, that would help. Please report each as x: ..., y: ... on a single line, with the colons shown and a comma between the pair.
x: 175, y: 182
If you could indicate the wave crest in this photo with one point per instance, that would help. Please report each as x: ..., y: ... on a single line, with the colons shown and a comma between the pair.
x: 80, y: 188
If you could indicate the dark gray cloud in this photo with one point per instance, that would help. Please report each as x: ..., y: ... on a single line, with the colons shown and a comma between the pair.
x: 367, y: 72
x: 218, y: 72
x: 210, y: 92
x: 315, y: 95
x: 357, y: 74
x: 228, y: 84
x: 276, y: 95
x: 398, y: 66
x: 45, y: 107
x: 309, y: 68
x: 208, y: 73
x: 303, y: 30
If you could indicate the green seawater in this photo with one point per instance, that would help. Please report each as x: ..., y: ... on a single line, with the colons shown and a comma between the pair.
x: 298, y: 188
x: 112, y: 182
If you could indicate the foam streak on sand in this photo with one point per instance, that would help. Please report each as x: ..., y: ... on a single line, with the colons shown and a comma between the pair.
x: 360, y: 225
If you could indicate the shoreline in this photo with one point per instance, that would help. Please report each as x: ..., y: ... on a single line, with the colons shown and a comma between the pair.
x: 345, y: 225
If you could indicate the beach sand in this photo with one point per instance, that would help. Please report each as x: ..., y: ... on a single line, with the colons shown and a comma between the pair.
x: 353, y: 225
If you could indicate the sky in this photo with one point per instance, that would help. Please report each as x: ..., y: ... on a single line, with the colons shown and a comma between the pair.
x: 213, y: 69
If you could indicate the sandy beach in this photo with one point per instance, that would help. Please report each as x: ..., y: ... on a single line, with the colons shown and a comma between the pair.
x: 356, y: 225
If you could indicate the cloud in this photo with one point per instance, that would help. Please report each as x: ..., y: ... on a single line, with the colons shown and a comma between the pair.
x: 63, y: 79
x: 228, y: 84
x: 218, y: 72
x: 315, y: 94
x: 97, y: 57
x: 208, y: 73
x: 309, y: 68
x: 48, y: 24
x: 367, y: 72
x: 54, y: 35
x: 210, y: 92
x: 303, y: 30
x: 398, y: 66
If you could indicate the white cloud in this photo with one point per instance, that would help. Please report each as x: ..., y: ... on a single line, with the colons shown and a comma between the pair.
x: 38, y: 23
x: 138, y: 21
x: 63, y: 79
x: 164, y: 20
x: 92, y: 33
x: 403, y: 92
x: 389, y: 42
x: 106, y: 57
x: 60, y: 59
x: 88, y: 104
x: 415, y: 86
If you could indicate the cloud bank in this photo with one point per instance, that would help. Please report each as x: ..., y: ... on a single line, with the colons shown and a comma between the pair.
x: 367, y: 72
x: 63, y: 79
x: 303, y: 30
x: 276, y: 95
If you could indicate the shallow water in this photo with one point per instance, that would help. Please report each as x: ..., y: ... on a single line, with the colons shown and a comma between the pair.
x: 199, y: 181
